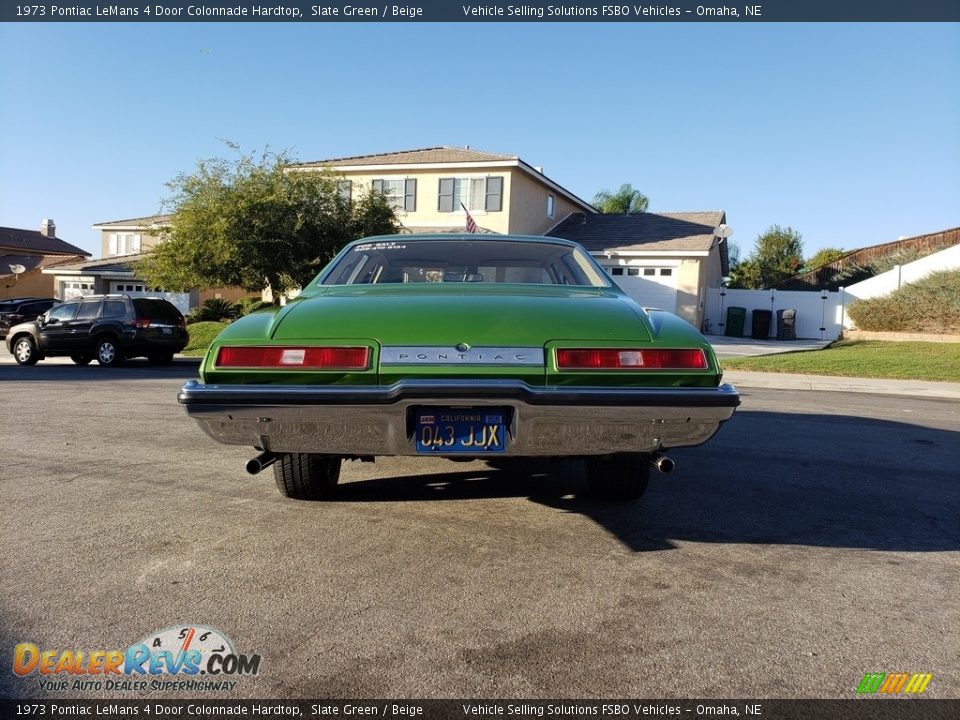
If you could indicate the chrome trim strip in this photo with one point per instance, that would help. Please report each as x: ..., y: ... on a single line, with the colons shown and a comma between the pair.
x: 430, y: 355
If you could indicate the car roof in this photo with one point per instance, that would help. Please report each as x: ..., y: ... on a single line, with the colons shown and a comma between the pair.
x: 476, y: 237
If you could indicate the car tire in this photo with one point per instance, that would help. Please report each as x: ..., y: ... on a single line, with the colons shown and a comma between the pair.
x: 160, y: 358
x: 81, y: 359
x: 618, y: 477
x: 25, y: 351
x: 305, y: 476
x: 108, y: 352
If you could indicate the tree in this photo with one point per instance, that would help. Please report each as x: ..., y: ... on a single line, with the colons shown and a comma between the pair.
x: 778, y: 254
x: 822, y: 257
x: 623, y: 201
x: 252, y: 223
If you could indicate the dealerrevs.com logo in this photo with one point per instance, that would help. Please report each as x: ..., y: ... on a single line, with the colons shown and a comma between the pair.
x: 899, y: 683
x: 181, y: 657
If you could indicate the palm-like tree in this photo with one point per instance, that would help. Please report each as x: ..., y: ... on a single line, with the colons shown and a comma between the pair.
x: 626, y: 200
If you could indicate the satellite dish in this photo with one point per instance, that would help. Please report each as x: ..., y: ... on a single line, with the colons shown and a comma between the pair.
x: 17, y: 269
x: 723, y: 231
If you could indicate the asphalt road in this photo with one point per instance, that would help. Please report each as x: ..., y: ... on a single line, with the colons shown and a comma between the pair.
x: 814, y: 539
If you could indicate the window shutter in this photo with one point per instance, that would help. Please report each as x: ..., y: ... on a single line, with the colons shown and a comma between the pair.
x: 136, y: 243
x: 112, y: 244
x: 410, y: 195
x: 378, y: 186
x: 446, y: 195
x: 494, y: 194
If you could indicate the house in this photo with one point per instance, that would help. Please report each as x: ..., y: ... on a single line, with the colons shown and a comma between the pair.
x: 33, y: 251
x: 122, y: 244
x: 430, y: 187
x: 663, y: 260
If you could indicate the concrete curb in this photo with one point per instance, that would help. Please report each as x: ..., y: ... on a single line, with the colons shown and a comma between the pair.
x: 788, y: 381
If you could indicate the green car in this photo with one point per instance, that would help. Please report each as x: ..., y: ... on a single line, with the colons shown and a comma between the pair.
x: 463, y: 346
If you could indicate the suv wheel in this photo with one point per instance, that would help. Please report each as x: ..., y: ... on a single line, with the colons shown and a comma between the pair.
x: 108, y: 352
x: 81, y: 359
x: 618, y: 477
x: 304, y: 476
x: 25, y: 351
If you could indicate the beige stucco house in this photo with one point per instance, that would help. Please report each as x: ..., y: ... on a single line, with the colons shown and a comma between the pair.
x: 664, y: 260
x: 430, y: 187
x: 29, y: 252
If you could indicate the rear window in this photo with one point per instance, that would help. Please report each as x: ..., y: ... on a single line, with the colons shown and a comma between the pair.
x: 157, y: 310
x: 464, y: 261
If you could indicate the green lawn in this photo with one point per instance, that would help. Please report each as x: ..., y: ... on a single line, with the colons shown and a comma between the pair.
x: 864, y: 358
x: 201, y: 335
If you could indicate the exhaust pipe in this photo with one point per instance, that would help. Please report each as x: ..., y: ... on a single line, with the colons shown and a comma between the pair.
x: 661, y: 462
x: 261, y: 462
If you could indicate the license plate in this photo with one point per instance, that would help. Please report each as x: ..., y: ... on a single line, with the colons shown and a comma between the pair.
x: 166, y: 331
x: 460, y: 431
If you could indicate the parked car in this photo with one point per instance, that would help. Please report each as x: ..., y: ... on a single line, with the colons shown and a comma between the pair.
x: 108, y: 328
x: 460, y: 346
x: 17, y: 310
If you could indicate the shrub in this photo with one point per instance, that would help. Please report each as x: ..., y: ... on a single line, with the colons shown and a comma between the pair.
x: 928, y: 305
x: 247, y: 305
x: 216, y: 310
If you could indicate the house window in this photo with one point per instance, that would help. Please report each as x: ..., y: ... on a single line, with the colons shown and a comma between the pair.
x: 123, y: 244
x: 551, y: 201
x: 345, y: 190
x: 616, y: 271
x: 666, y: 271
x: 401, y: 192
x: 484, y: 194
x: 633, y: 271
x: 649, y: 271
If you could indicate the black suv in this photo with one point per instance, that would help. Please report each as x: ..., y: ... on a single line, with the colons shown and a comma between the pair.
x: 109, y: 328
x: 17, y: 310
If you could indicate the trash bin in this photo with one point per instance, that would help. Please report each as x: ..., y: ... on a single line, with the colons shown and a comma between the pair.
x: 787, y: 324
x: 761, y: 324
x: 735, y: 321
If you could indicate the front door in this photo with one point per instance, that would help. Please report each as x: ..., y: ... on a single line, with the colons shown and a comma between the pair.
x: 55, y: 331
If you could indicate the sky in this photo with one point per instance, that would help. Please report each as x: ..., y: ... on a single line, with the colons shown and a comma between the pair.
x: 848, y: 133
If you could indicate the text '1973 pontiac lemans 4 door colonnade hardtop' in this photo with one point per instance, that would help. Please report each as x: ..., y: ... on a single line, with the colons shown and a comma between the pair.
x: 460, y: 346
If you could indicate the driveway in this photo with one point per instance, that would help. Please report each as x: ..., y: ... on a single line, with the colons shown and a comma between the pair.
x: 813, y: 540
x: 730, y: 347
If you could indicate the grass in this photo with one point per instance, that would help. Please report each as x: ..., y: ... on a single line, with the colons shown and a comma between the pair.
x: 201, y: 335
x: 864, y: 358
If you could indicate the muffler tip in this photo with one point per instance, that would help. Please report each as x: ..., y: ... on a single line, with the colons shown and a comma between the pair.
x: 662, y: 463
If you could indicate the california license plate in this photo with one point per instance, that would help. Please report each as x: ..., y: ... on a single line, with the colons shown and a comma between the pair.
x: 441, y: 430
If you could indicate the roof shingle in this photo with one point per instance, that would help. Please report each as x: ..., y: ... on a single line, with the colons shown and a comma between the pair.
x: 442, y: 154
x: 680, y: 231
x: 32, y: 242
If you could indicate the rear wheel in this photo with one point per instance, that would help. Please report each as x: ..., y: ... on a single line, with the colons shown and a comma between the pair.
x: 160, y: 358
x: 25, y: 351
x: 81, y: 359
x: 305, y: 476
x: 618, y: 477
x: 108, y: 352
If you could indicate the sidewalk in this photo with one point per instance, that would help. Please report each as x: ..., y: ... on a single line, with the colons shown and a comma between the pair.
x: 788, y: 381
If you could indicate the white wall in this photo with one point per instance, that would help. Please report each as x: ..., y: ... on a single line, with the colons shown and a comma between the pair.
x: 818, y: 313
x: 886, y: 283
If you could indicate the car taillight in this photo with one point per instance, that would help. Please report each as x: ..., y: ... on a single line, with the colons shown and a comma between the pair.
x: 630, y: 359
x: 141, y: 322
x: 332, y: 358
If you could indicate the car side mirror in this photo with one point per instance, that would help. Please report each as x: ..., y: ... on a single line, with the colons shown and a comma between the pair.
x: 49, y: 321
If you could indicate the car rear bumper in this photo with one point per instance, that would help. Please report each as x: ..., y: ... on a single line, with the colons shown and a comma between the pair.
x: 378, y: 420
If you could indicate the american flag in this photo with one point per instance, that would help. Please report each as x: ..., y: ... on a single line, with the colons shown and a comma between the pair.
x: 471, y: 223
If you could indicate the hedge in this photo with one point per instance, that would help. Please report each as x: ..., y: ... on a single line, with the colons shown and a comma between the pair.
x: 929, y: 305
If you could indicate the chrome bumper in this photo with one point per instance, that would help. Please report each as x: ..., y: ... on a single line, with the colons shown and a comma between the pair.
x: 377, y: 420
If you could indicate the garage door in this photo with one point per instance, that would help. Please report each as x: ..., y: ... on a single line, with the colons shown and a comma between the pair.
x: 654, y: 287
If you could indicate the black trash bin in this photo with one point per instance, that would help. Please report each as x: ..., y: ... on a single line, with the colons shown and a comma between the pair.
x: 761, y: 324
x: 787, y: 324
x: 735, y: 321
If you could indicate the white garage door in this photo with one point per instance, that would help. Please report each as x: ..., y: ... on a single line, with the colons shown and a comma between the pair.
x: 654, y: 287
